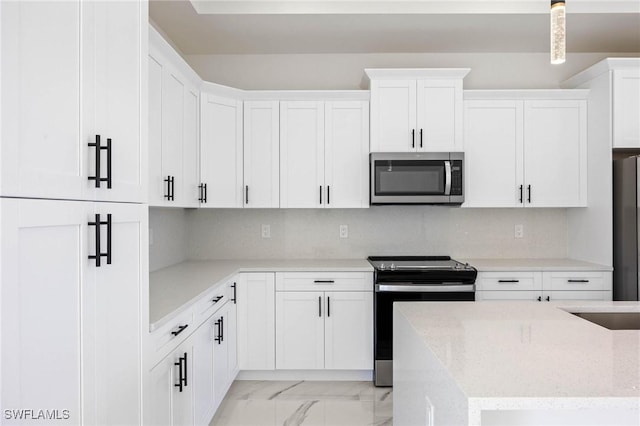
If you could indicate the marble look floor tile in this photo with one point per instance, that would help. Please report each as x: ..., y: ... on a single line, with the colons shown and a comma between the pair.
x: 290, y: 403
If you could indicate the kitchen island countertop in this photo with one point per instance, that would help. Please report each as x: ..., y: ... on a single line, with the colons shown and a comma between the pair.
x: 497, y: 362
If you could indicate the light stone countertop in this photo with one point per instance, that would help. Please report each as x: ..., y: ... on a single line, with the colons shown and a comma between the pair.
x: 557, y: 265
x: 523, y: 355
x: 177, y: 287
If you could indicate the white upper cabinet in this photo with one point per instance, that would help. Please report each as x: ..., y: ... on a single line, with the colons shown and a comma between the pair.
x: 626, y: 108
x: 174, y: 100
x: 221, y: 150
x: 555, y: 157
x: 301, y: 154
x: 528, y: 153
x: 346, y: 153
x: 52, y: 115
x: 324, y: 154
x: 416, y: 110
x: 493, y: 153
x: 261, y: 154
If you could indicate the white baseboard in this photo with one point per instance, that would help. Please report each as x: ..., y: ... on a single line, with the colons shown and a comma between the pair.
x: 319, y: 375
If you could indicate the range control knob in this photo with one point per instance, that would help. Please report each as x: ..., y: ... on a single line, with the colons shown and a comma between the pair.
x: 392, y: 266
x: 382, y: 267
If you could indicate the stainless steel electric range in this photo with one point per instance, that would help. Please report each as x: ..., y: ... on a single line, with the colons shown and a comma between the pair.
x: 412, y: 279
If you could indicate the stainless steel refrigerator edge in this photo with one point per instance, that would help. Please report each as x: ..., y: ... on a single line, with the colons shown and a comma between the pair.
x: 626, y: 213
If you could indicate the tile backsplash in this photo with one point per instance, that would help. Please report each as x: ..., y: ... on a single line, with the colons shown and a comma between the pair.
x: 379, y: 230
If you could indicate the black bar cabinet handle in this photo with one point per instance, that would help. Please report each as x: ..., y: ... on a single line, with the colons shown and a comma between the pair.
x: 548, y: 298
x: 218, y: 338
x: 217, y: 299
x: 96, y: 144
x: 205, y: 193
x: 539, y: 298
x: 180, y: 378
x: 324, y: 281
x: 108, y: 163
x: 234, y: 293
x: 413, y: 138
x: 320, y: 306
x: 578, y: 281
x: 200, y: 193
x: 529, y: 194
x: 222, y: 328
x: 320, y: 194
x: 420, y: 138
x: 246, y: 194
x: 508, y: 281
x: 108, y: 223
x: 168, y: 194
x: 328, y: 194
x: 328, y: 306
x: 521, y: 194
x: 180, y: 329
x: 98, y: 255
x: 186, y: 371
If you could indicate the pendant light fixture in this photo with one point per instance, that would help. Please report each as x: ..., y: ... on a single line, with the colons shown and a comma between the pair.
x: 558, y: 31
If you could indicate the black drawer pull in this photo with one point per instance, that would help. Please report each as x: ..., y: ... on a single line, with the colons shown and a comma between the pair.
x: 577, y: 281
x: 520, y: 194
x: 180, y: 329
x: 217, y: 299
x: 235, y: 296
x: 324, y: 281
x: 508, y: 281
x: 539, y: 298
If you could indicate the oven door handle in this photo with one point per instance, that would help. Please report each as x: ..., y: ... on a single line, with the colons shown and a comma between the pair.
x: 436, y: 288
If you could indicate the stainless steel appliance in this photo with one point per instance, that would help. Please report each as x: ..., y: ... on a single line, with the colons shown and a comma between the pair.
x: 412, y: 279
x: 626, y: 214
x: 417, y: 177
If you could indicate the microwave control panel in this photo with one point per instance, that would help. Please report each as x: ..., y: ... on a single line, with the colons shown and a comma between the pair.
x: 456, y: 177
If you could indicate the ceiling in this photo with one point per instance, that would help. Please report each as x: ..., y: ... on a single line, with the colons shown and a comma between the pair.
x: 446, y: 30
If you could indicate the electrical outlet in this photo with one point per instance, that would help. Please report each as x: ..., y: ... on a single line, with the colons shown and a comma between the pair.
x: 518, y: 231
x: 266, y: 231
x: 344, y: 231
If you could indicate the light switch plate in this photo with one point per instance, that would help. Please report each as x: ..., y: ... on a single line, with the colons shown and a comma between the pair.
x: 344, y: 231
x: 266, y: 231
x: 518, y: 231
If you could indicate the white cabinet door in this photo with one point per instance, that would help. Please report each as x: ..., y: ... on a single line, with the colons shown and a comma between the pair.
x: 261, y: 154
x: 114, y: 49
x: 554, y: 296
x: 256, y: 321
x: 172, y: 133
x: 203, y: 392
x: 555, y: 153
x: 157, y: 186
x: 346, y: 151
x: 42, y: 151
x: 111, y: 317
x: 161, y: 388
x: 393, y: 116
x: 626, y: 108
x: 349, y: 331
x: 439, y: 115
x: 44, y: 269
x: 51, y: 114
x: 191, y: 147
x: 221, y: 150
x: 532, y: 296
x: 299, y: 330
x: 493, y: 153
x: 301, y: 154
x: 231, y: 335
x: 182, y: 396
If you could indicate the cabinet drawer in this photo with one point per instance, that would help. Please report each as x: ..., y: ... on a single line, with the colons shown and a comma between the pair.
x: 324, y: 281
x: 493, y: 295
x: 520, y: 281
x: 572, y: 281
x: 578, y: 295
x: 211, y: 302
x: 171, y: 334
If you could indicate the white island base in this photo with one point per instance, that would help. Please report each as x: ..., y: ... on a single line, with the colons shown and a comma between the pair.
x: 514, y: 363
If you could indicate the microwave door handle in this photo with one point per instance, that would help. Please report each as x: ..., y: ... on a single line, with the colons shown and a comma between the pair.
x: 447, y: 178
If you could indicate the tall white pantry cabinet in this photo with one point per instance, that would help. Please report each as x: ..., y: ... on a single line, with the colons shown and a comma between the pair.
x: 73, y: 218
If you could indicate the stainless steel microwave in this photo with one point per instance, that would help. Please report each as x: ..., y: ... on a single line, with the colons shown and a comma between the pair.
x: 417, y: 177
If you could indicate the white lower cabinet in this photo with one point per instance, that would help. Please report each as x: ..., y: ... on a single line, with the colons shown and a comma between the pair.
x: 69, y: 323
x: 203, y: 371
x: 323, y: 329
x: 544, y: 286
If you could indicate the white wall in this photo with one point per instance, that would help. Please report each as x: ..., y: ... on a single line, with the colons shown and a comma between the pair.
x: 419, y: 230
x: 167, y: 237
x: 346, y: 71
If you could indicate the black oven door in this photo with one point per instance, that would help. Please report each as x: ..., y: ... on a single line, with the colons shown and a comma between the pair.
x: 383, y: 327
